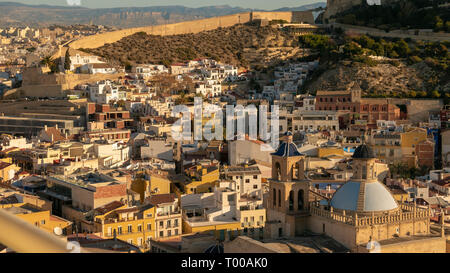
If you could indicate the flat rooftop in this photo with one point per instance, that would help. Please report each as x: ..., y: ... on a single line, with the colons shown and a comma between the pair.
x: 87, y: 179
x: 24, y: 209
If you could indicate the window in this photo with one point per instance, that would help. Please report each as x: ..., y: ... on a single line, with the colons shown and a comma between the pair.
x: 261, y: 219
x: 169, y: 233
x: 176, y: 231
x: 255, y: 187
x: 291, y: 200
x: 161, y: 224
x: 42, y: 222
x: 300, y: 200
x: 175, y: 223
x: 279, y: 198
x: 169, y: 224
x: 247, y: 180
x: 274, y: 197
x: 255, y: 177
x: 130, y: 228
x: 161, y: 234
x: 149, y: 226
x: 119, y: 230
x: 139, y: 228
x: 139, y: 241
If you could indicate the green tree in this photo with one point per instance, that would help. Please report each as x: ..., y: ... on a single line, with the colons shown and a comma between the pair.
x: 67, y: 62
x: 46, y: 61
x: 352, y: 49
x: 438, y: 23
x: 402, y: 48
x: 435, y: 94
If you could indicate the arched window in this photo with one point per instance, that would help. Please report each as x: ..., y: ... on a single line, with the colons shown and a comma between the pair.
x: 279, y: 198
x: 300, y: 201
x: 274, y: 197
x: 291, y: 200
x: 278, y: 171
x: 364, y: 172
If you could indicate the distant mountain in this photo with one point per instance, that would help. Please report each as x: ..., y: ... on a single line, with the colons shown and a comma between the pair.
x: 17, y: 14
x: 305, y: 7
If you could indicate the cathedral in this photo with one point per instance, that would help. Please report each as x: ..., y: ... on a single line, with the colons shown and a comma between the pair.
x: 360, y: 212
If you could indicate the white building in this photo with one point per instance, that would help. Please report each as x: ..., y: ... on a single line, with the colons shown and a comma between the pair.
x: 209, y: 89
x: 104, y: 92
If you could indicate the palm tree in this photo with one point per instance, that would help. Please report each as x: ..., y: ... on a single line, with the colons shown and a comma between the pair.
x: 47, y: 61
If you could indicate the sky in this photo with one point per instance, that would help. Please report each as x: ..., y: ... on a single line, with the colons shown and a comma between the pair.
x: 256, y: 4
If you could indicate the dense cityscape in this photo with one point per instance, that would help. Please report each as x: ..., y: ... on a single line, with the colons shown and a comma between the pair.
x: 306, y: 131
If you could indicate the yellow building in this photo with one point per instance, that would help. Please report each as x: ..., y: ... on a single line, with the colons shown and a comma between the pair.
x: 409, y: 141
x: 151, y: 182
x: 220, y: 230
x: 135, y: 225
x: 202, y: 179
x: 39, y: 217
x: 399, y: 194
x: 329, y: 151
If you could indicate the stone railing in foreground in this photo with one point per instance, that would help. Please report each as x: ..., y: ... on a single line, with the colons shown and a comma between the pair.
x: 408, y: 212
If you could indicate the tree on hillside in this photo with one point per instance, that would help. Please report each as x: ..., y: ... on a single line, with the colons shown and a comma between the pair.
x: 67, y: 62
x: 50, y: 63
x: 47, y: 61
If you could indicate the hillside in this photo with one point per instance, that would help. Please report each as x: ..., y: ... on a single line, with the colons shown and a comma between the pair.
x: 382, y: 80
x: 315, y: 6
x: 239, y: 45
x: 420, y: 14
x: 380, y: 67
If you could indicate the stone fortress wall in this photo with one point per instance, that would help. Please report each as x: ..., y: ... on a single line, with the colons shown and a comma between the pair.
x: 191, y: 27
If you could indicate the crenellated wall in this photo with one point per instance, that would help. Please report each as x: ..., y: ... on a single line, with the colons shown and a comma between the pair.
x: 189, y: 27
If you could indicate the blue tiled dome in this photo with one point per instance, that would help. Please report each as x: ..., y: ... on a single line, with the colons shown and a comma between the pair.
x: 363, y: 152
x: 287, y: 149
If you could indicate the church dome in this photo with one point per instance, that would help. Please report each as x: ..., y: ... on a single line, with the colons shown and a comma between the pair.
x: 287, y: 149
x: 363, y: 197
x: 363, y: 152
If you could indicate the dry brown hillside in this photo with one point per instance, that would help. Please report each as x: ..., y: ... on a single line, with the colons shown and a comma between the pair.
x: 239, y: 45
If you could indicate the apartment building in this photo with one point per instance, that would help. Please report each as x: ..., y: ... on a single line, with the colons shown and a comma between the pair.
x: 168, y: 220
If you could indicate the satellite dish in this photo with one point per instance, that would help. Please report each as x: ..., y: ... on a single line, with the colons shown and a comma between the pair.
x: 58, y: 231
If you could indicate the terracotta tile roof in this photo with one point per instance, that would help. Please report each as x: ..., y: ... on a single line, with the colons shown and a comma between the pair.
x: 57, y: 135
x: 160, y: 199
x: 109, y: 207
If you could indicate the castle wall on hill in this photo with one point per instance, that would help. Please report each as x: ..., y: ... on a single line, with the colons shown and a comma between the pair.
x: 184, y: 27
